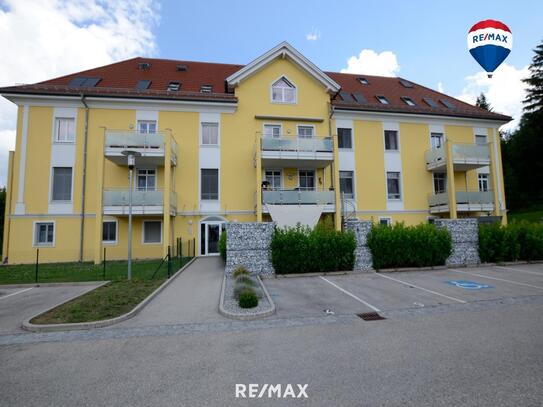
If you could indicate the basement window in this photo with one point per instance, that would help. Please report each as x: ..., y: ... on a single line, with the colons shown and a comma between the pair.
x: 382, y: 99
x: 174, y: 86
x: 44, y: 234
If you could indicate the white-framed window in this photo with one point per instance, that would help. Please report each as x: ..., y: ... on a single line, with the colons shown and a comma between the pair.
x: 273, y: 177
x: 436, y: 140
x: 272, y: 130
x: 64, y: 130
x: 282, y: 91
x: 393, y: 185
x: 346, y: 184
x: 62, y: 184
x: 306, y: 180
x: 146, y: 179
x: 391, y: 140
x: 209, y: 190
x: 440, y: 182
x: 345, y: 138
x: 306, y: 131
x: 44, y: 233
x: 210, y: 134
x: 147, y: 126
x: 483, y: 182
x: 480, y: 139
x: 109, y: 231
x: 152, y: 231
x: 385, y: 221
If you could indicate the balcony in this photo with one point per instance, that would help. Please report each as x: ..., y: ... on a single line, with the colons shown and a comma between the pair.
x: 147, y: 202
x: 465, y: 157
x: 151, y: 146
x: 299, y: 197
x: 288, y: 151
x: 466, y: 201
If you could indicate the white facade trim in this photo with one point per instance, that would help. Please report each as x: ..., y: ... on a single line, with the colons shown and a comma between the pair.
x: 393, y: 163
x: 20, y: 204
x: 209, y: 157
x: 497, y: 170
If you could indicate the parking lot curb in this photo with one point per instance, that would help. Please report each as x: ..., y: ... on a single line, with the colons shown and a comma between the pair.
x: 246, y: 317
x: 326, y: 273
x: 28, y: 326
x: 63, y: 284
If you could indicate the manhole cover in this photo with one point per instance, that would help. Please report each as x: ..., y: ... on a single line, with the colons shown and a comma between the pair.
x: 370, y: 316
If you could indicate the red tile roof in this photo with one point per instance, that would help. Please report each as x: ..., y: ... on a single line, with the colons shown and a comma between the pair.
x: 120, y: 79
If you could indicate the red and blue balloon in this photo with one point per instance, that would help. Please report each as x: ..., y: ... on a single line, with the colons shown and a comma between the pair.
x: 490, y: 42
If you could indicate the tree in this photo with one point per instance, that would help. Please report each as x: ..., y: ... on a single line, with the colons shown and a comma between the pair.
x: 534, y: 92
x: 482, y: 102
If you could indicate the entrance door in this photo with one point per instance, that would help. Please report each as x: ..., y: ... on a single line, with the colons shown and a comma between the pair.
x: 210, y: 232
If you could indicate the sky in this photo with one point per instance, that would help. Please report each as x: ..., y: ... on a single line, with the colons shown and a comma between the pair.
x: 423, y: 41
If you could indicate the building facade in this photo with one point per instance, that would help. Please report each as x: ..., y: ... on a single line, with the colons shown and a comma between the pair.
x: 276, y: 138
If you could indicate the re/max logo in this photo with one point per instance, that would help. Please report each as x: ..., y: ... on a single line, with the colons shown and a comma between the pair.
x: 253, y: 391
x: 490, y: 37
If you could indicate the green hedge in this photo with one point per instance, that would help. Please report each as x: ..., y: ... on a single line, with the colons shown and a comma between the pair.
x: 222, y: 245
x: 408, y: 246
x: 516, y: 241
x: 302, y: 250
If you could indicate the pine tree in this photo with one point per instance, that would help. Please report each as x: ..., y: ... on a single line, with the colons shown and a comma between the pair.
x: 534, y: 92
x: 482, y: 102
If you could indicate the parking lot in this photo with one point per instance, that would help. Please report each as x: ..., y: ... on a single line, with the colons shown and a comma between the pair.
x: 383, y: 292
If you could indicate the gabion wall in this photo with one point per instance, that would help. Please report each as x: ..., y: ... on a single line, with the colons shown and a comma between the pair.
x: 465, y: 240
x: 248, y: 245
x: 361, y: 228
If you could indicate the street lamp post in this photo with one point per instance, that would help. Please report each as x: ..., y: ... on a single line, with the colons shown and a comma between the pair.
x: 131, y: 157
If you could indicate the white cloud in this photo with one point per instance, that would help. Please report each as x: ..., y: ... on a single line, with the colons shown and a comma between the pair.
x: 371, y: 63
x: 440, y: 87
x: 42, y: 39
x: 505, y: 91
x: 314, y: 35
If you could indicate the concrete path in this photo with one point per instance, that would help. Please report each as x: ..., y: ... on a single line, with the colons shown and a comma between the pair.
x: 192, y: 297
x: 18, y: 304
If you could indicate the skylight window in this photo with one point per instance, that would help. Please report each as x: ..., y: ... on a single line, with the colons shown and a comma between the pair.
x: 359, y: 97
x: 447, y: 104
x: 409, y: 101
x: 406, y: 84
x: 84, y: 82
x: 181, y: 68
x: 174, y: 86
x: 363, y: 81
x: 382, y: 99
x: 346, y: 96
x: 206, y: 88
x: 144, y: 66
x: 143, y: 84
x: 430, y: 102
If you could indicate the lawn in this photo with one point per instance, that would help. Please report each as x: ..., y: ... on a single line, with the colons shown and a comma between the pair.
x: 75, y: 272
x: 530, y: 215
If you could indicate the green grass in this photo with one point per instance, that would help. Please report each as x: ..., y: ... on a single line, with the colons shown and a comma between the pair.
x: 105, y: 302
x: 534, y: 215
x: 75, y: 272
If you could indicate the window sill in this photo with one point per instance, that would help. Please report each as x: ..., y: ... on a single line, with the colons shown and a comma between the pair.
x: 64, y: 142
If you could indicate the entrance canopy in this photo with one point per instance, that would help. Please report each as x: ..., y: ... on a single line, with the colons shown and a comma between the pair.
x: 291, y: 215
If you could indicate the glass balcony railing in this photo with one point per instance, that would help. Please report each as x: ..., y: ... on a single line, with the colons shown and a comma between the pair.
x: 298, y: 197
x: 134, y: 140
x: 297, y: 144
x: 462, y: 198
x: 119, y: 197
x: 462, y: 153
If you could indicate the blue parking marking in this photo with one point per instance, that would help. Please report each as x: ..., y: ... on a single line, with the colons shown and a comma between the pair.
x: 468, y: 285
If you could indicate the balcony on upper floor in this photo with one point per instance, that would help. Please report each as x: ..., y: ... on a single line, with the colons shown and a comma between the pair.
x: 464, y: 157
x: 299, y: 197
x: 144, y: 202
x: 296, y: 151
x: 466, y: 201
x: 151, y: 146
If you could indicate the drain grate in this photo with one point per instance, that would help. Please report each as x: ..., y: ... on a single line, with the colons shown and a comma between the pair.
x: 370, y: 316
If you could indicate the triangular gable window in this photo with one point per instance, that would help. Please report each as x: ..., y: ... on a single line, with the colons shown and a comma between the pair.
x: 283, y: 91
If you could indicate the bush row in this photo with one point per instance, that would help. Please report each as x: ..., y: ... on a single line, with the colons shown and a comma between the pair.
x: 422, y: 245
x: 222, y: 245
x: 516, y: 241
x: 302, y: 250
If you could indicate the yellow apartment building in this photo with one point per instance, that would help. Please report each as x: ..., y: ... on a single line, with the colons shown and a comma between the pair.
x: 276, y: 139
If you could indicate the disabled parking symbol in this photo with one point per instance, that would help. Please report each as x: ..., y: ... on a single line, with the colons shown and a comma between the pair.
x: 468, y: 285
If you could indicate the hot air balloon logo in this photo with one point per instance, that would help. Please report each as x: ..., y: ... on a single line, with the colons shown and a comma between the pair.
x: 490, y: 42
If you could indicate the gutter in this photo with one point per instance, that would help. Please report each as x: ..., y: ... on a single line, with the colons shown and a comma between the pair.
x: 84, y: 183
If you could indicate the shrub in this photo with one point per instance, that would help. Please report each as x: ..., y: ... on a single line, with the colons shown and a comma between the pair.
x: 222, y: 246
x: 302, y: 250
x: 248, y: 298
x: 516, y: 241
x: 245, y: 279
x: 422, y: 245
x: 239, y: 271
x: 239, y: 288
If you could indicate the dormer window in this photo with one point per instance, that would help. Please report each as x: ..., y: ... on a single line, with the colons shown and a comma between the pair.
x: 283, y: 91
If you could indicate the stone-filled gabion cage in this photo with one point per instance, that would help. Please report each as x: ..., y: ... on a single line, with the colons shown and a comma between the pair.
x: 248, y: 244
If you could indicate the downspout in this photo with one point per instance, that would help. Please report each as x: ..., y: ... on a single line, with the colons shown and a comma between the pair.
x: 330, y: 132
x: 84, y: 183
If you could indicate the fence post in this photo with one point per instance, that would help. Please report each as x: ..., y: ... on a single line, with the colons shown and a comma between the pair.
x: 169, y: 262
x: 104, y: 266
x: 37, y: 263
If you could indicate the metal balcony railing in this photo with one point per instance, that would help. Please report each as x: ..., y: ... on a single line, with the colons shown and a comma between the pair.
x: 297, y: 144
x: 298, y: 197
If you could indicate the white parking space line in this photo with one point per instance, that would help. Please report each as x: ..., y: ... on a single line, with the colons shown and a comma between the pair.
x: 496, y: 278
x: 351, y: 295
x: 422, y: 288
x: 537, y: 273
x: 16, y: 292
